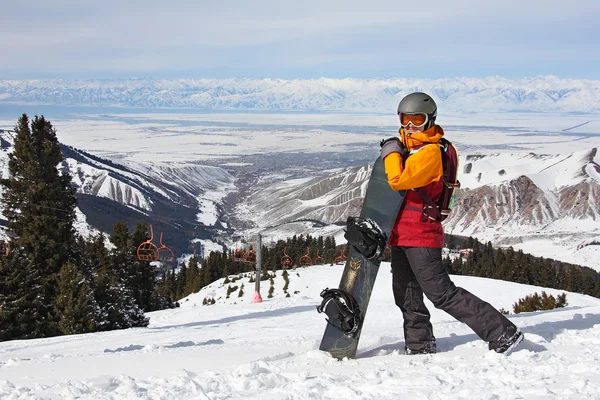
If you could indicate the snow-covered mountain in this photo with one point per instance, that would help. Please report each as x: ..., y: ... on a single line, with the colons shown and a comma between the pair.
x: 239, y: 350
x: 327, y: 199
x: 181, y: 200
x: 516, y: 199
x: 540, y: 93
x: 272, y: 180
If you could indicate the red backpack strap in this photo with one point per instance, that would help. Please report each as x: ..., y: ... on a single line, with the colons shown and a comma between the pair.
x: 430, y: 208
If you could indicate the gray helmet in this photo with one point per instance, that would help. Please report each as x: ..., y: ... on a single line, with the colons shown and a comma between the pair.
x: 419, y: 103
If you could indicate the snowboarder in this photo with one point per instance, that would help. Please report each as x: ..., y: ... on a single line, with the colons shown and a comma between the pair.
x: 417, y: 240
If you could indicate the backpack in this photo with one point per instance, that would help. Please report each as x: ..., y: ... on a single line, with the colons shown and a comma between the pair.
x: 445, y: 204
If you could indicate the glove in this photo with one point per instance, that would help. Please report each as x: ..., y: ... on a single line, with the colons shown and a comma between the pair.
x: 392, y: 145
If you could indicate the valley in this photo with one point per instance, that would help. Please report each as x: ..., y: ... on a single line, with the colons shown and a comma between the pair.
x: 274, y: 173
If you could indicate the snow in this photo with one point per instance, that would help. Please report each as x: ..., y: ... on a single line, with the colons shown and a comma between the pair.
x: 239, y: 350
x: 209, y: 214
x: 207, y: 150
x: 492, y: 94
x: 205, y: 246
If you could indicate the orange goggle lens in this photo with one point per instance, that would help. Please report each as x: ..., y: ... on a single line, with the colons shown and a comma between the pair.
x: 417, y: 120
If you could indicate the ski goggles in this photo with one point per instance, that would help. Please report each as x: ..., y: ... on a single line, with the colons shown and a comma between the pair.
x: 417, y: 120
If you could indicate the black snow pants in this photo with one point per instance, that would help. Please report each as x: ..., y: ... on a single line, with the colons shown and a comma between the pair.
x: 418, y: 270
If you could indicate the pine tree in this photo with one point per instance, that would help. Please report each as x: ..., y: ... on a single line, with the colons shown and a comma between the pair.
x: 457, y: 266
x: 117, y: 302
x: 39, y: 204
x: 75, y: 305
x: 575, y: 280
x: 451, y: 242
x: 271, y: 287
x: 589, y: 283
x: 182, y: 275
x: 546, y: 275
x: 194, y: 280
x: 19, y: 306
x: 286, y: 279
x: 142, y: 274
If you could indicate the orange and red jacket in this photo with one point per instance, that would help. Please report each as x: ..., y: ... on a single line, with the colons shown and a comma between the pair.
x: 422, y: 169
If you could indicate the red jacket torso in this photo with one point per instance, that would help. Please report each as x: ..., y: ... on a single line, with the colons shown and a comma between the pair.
x: 422, y: 169
x: 411, y: 229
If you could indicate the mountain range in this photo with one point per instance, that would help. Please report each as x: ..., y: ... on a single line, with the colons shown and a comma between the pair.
x: 548, y: 205
x: 545, y: 204
x: 167, y: 197
x: 540, y: 93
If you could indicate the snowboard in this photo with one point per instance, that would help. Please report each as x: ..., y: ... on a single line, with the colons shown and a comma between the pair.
x: 381, y: 205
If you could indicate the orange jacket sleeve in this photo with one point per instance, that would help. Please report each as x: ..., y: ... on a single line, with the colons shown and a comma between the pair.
x: 420, y: 169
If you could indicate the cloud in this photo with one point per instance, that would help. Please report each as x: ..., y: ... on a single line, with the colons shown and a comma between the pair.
x: 146, y: 37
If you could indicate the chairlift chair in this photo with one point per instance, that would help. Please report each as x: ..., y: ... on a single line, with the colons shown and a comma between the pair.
x: 164, y: 253
x: 147, y: 251
x: 286, y: 260
x: 250, y: 257
x: 239, y: 255
x: 341, y: 258
x: 305, y: 260
x: 318, y: 259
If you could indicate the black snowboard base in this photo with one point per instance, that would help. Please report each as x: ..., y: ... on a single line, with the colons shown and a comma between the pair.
x: 381, y: 205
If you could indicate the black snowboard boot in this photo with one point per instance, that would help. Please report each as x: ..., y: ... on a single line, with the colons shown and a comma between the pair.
x: 507, y: 341
x: 429, y: 348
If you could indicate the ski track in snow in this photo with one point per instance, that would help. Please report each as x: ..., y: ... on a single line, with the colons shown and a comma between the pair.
x: 238, y: 350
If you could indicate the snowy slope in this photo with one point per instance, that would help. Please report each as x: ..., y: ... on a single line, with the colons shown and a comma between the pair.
x: 239, y: 350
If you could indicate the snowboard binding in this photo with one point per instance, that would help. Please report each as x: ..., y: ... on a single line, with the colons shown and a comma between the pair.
x: 341, y: 309
x: 366, y: 236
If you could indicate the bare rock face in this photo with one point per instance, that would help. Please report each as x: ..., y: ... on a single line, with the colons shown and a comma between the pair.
x: 518, y: 200
x: 581, y: 200
x: 508, y: 199
x: 330, y: 199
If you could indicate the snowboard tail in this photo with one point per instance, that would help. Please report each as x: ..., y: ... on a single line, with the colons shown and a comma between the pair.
x: 367, y: 236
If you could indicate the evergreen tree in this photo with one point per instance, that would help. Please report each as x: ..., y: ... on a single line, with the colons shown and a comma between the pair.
x: 117, y: 302
x: 39, y: 204
x: 172, y: 284
x: 143, y: 273
x: 458, y: 266
x: 271, y: 287
x: 19, y: 306
x: 75, y: 305
x: 589, y: 283
x: 451, y: 242
x: 575, y: 280
x: 182, y: 275
x: 560, y: 278
x: 194, y: 279
x: 546, y: 275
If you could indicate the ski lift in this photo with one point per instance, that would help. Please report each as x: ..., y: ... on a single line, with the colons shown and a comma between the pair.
x: 341, y: 258
x: 164, y: 253
x: 238, y: 255
x: 147, y: 251
x: 305, y: 260
x: 318, y: 259
x: 250, y: 257
x: 286, y: 260
x: 4, y: 245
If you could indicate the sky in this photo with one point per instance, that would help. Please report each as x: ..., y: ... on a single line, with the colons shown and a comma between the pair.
x: 300, y: 39
x: 269, y: 351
